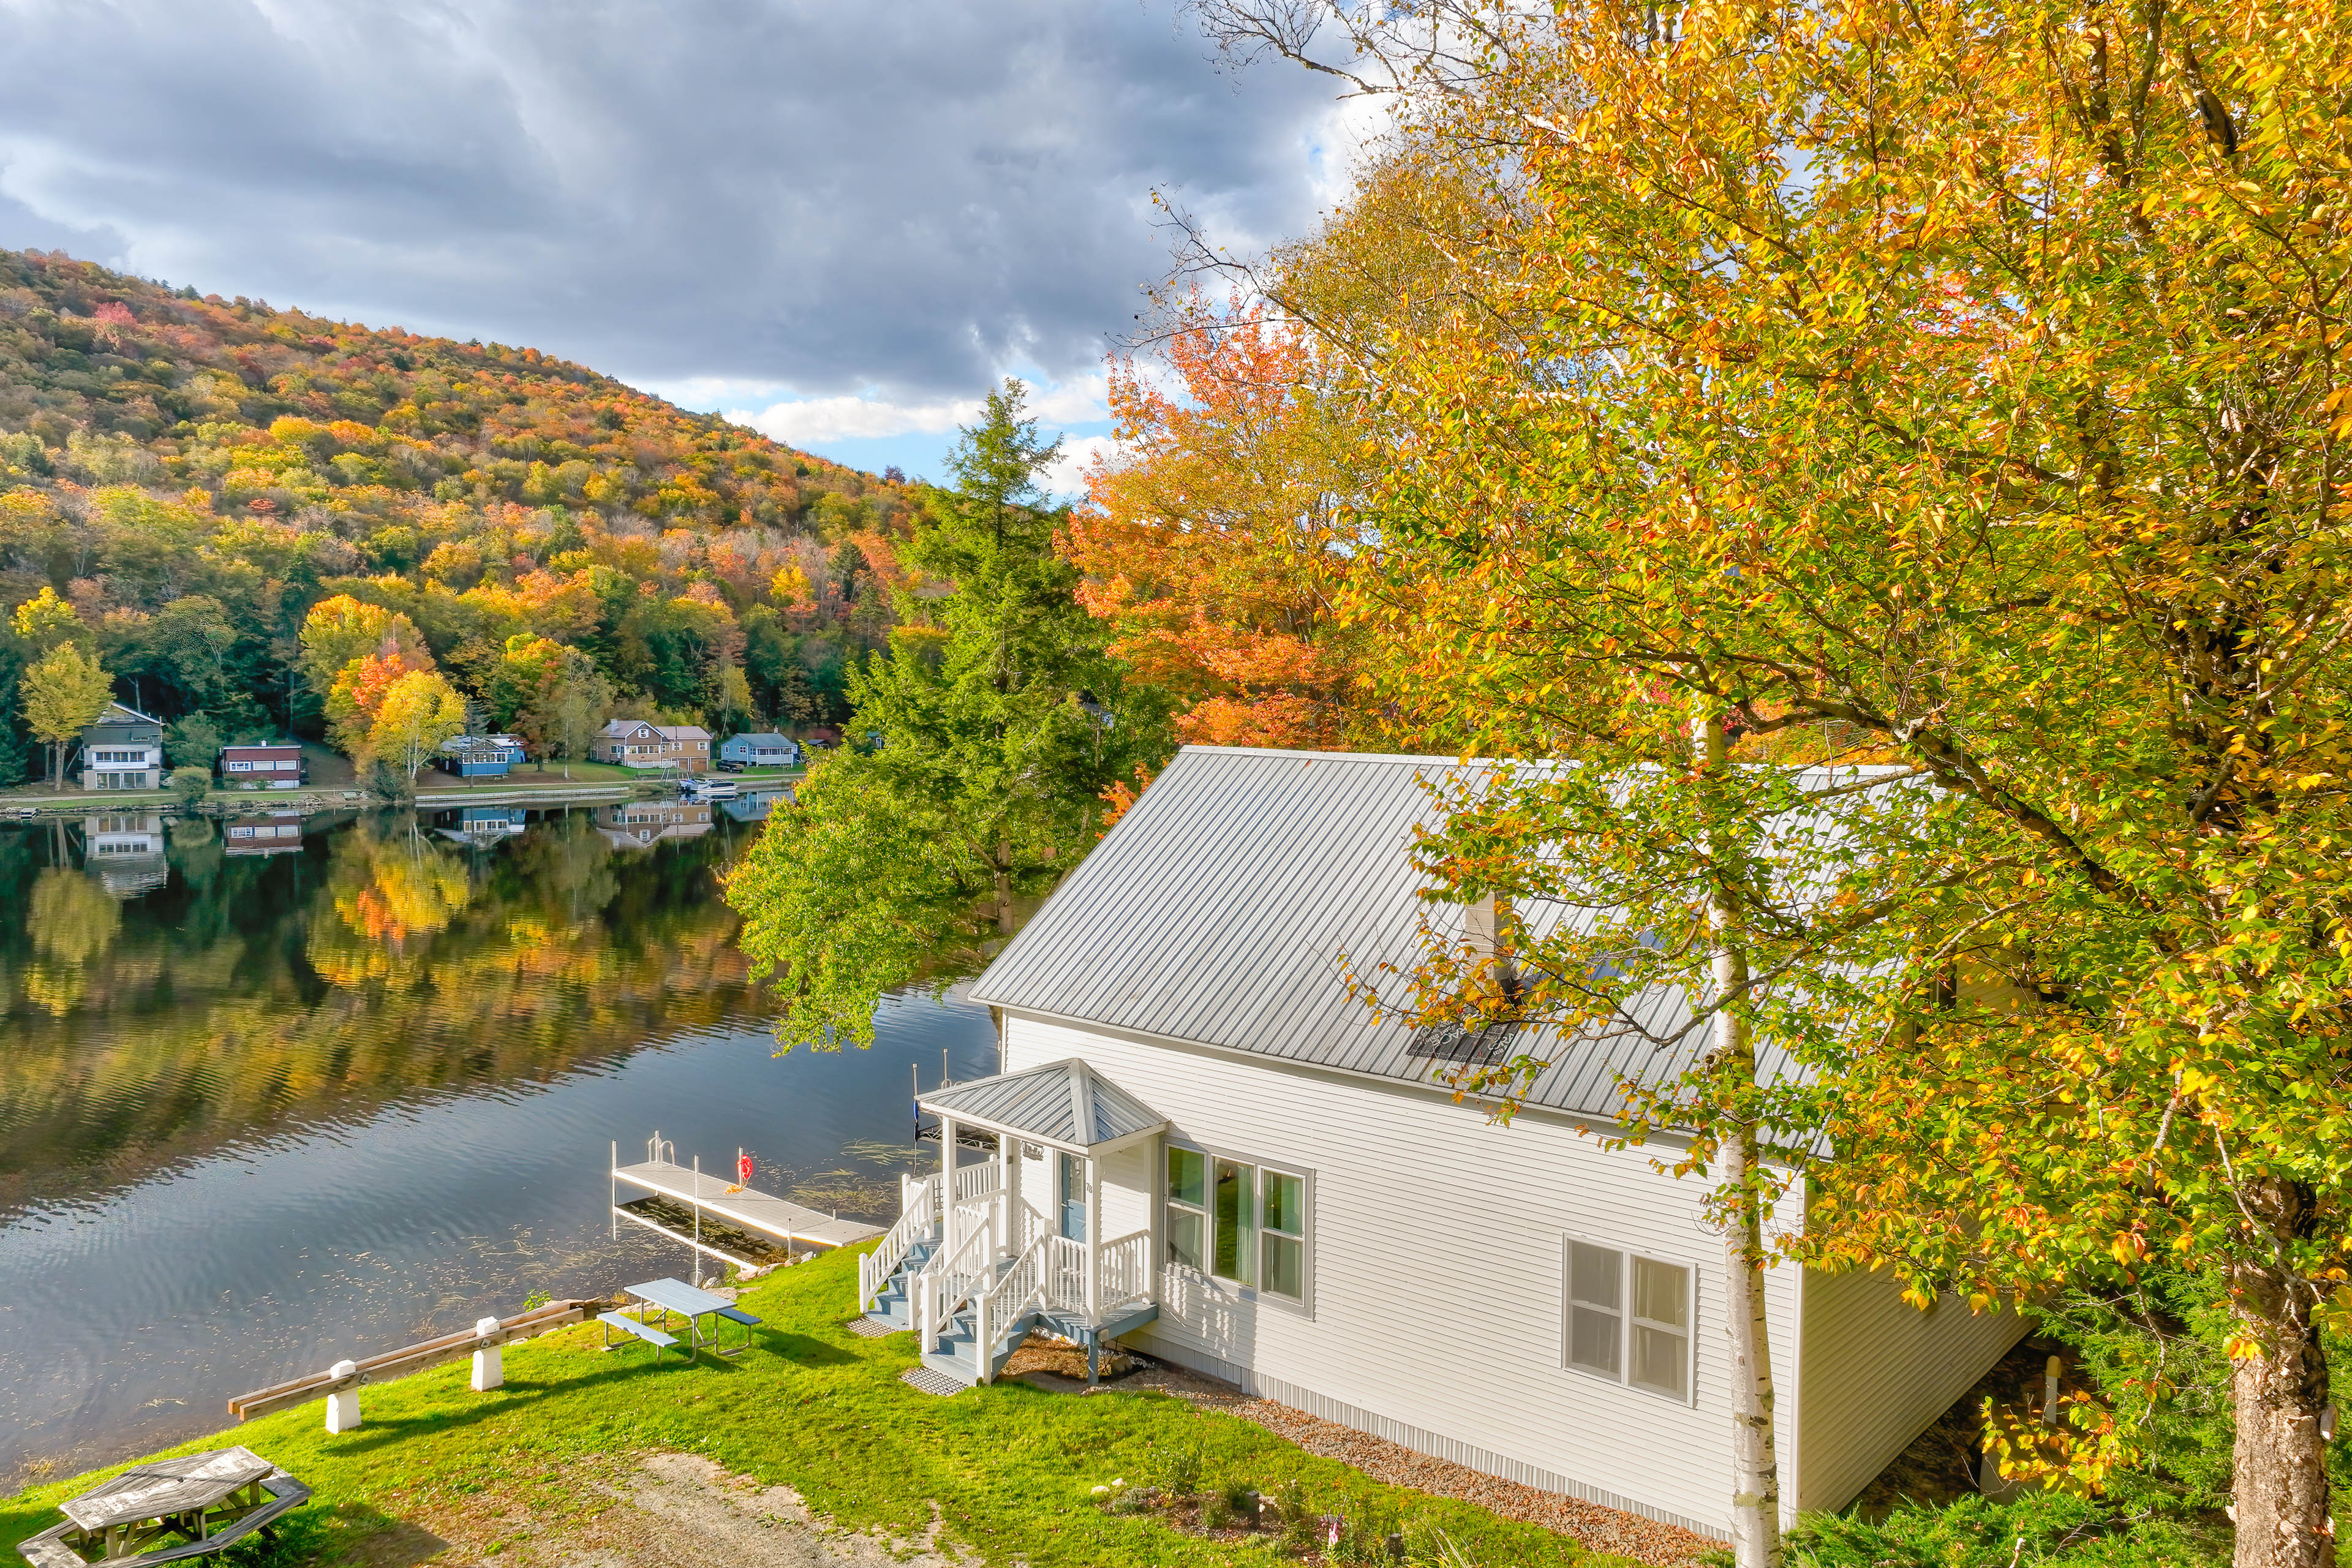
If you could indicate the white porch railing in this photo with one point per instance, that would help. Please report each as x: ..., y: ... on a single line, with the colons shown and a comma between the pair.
x: 973, y: 1182
x: 946, y: 1286
x: 920, y: 1210
x: 1029, y: 1279
x: 1065, y: 1262
x: 1126, y: 1271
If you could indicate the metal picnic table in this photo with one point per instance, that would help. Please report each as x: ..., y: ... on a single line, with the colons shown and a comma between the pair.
x: 694, y: 1305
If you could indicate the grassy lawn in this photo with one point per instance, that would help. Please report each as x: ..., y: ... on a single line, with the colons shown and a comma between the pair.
x: 820, y: 1409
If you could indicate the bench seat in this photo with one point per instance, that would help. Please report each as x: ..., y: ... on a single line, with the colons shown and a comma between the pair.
x: 651, y: 1335
x: 737, y: 1315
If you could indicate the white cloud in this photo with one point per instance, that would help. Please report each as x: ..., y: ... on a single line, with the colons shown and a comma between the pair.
x: 1067, y: 475
x: 817, y: 421
x: 847, y: 204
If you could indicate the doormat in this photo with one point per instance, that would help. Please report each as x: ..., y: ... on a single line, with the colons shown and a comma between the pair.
x: 874, y: 1328
x: 931, y: 1381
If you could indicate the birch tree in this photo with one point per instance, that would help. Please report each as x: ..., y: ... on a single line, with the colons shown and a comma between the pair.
x: 1957, y: 387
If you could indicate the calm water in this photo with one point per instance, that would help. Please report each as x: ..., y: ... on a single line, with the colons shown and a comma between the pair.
x: 282, y: 1090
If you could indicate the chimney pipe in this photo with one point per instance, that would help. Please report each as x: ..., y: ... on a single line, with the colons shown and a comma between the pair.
x: 1482, y: 925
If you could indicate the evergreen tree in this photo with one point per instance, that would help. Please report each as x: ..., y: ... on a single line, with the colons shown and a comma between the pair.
x: 982, y: 744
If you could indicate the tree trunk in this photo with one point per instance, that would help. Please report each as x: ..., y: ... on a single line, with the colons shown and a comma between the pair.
x: 1003, y: 889
x: 1755, y: 1460
x: 2279, y: 1474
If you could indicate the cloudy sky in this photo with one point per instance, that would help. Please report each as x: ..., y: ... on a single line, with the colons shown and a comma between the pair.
x: 839, y: 220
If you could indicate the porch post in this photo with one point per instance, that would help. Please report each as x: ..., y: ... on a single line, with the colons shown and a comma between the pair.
x: 1008, y: 1161
x: 1155, y: 1190
x: 947, y: 1165
x: 1094, y: 1240
x: 1017, y: 1196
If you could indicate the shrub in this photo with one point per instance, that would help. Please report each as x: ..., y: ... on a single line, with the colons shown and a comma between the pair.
x: 2054, y: 1527
x: 1216, y: 1513
x: 1180, y: 1469
x: 191, y: 785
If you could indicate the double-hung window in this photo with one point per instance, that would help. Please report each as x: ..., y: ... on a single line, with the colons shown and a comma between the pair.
x: 1238, y: 1220
x: 1628, y: 1318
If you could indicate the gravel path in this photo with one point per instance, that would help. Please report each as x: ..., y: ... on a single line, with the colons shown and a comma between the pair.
x: 1588, y: 1524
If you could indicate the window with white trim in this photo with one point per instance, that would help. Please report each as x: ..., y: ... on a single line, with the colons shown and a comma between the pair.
x: 1628, y: 1317
x: 1238, y: 1220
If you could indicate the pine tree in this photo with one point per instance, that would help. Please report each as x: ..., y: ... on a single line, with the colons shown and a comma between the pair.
x: 982, y: 744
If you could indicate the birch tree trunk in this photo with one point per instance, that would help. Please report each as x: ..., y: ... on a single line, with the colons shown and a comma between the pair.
x: 2278, y: 1465
x: 1755, y: 1462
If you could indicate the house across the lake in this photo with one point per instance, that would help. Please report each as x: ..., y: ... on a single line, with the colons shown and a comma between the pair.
x: 638, y: 743
x: 761, y: 751
x: 1204, y: 1143
x: 478, y: 756
x: 122, y: 749
x: 262, y: 767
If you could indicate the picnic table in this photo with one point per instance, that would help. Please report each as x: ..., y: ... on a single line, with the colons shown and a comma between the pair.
x: 206, y: 1500
x: 676, y: 1296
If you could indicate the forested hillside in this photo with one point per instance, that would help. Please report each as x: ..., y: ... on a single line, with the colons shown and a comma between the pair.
x: 190, y: 476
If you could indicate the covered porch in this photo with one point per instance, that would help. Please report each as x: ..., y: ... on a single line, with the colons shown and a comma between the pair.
x: 1056, y: 1228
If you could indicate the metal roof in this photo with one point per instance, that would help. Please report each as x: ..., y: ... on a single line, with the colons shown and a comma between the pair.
x: 1218, y: 910
x: 1065, y: 1103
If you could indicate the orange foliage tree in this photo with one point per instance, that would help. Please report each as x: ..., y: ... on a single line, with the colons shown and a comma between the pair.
x: 1216, y: 537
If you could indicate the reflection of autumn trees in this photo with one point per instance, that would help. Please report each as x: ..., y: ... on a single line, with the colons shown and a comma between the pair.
x: 263, y: 994
x: 73, y: 922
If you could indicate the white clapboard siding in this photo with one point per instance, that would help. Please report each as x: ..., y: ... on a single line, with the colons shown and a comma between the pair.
x: 1877, y: 1372
x: 1434, y: 1312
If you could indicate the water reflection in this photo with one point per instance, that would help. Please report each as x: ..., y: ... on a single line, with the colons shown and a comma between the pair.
x: 280, y: 1086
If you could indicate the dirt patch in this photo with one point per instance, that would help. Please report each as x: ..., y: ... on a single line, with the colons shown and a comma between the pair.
x: 1588, y: 1523
x: 665, y: 1511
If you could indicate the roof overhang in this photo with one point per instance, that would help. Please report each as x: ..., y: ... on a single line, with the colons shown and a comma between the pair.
x: 1064, y: 1106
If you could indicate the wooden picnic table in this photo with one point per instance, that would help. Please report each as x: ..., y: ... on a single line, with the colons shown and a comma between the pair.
x: 209, y: 1500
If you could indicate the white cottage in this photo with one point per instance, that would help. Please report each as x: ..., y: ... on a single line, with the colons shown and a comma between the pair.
x: 1221, y: 1158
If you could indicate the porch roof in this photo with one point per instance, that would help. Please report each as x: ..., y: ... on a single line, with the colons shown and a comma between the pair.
x: 1065, y: 1105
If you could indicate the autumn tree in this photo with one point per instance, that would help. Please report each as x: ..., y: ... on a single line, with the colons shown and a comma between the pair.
x: 340, y: 629
x: 1217, y: 533
x: 981, y: 744
x: 1956, y: 388
x: 550, y: 696
x: 418, y: 711
x: 45, y: 620
x: 64, y: 694
x: 358, y: 694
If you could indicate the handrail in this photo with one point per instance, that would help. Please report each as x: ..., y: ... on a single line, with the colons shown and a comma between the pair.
x: 1003, y: 1301
x: 1126, y: 1269
x: 873, y: 1270
x: 968, y: 1219
x: 949, y: 1284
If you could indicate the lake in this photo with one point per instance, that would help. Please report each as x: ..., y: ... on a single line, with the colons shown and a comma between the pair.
x: 277, y: 1090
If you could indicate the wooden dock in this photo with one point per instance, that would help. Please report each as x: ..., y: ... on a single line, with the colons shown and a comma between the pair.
x: 744, y: 1208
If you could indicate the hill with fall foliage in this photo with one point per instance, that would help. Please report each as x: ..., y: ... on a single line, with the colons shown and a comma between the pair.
x: 191, y: 474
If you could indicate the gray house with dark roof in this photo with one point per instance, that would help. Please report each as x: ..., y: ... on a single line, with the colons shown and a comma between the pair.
x: 1204, y: 1145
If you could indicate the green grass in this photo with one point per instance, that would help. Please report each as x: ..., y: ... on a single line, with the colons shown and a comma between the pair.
x: 820, y: 1409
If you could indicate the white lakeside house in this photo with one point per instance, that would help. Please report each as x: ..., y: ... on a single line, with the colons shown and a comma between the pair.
x: 1226, y: 1163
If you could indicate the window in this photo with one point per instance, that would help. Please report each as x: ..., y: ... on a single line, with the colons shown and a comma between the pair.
x: 1644, y: 1341
x: 1239, y: 1221
x: 1188, y: 1217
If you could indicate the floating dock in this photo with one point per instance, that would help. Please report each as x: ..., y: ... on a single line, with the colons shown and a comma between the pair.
x: 698, y: 1210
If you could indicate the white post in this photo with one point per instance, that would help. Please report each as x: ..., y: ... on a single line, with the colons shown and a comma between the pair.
x: 613, y: 1192
x: 1094, y: 1240
x: 343, y: 1404
x: 1013, y: 1197
x: 1153, y: 1193
x: 698, y: 1222
x: 1007, y: 1239
x: 489, y: 1368
x: 946, y: 1177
